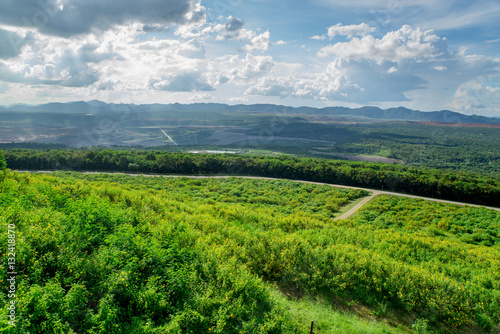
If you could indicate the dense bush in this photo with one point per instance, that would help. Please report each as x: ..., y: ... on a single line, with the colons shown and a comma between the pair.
x: 114, y: 254
x: 102, y: 259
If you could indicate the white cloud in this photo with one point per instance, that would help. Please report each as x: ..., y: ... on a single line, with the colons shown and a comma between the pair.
x: 479, y: 96
x: 280, y: 42
x: 56, y: 61
x: 233, y: 30
x: 111, y: 60
x: 350, y: 31
x: 404, y: 65
x: 258, y: 43
x: 119, y: 59
x: 392, y: 69
x: 270, y: 86
x: 319, y: 37
x: 189, y: 81
x: 232, y: 69
x: 440, y: 68
x: 193, y: 48
x: 234, y: 24
x: 405, y: 43
x: 342, y: 80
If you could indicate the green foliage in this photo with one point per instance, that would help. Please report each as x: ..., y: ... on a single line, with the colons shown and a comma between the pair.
x: 100, y: 258
x: 470, y: 224
x: 114, y: 254
x: 420, y: 326
x: 3, y: 163
x: 458, y: 186
x: 453, y: 147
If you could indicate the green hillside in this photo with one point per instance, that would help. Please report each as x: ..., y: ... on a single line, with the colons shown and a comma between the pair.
x: 121, y: 254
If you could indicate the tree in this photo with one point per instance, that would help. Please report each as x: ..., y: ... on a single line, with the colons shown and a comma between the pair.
x: 3, y: 163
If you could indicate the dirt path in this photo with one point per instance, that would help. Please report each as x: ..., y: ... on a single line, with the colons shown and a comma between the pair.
x: 355, y: 208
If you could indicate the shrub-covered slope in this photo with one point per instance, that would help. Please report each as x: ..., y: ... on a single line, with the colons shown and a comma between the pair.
x: 117, y: 254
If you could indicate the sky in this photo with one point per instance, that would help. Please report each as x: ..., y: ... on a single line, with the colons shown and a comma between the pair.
x: 421, y: 54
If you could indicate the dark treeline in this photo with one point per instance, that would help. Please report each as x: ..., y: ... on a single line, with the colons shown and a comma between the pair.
x: 451, y: 185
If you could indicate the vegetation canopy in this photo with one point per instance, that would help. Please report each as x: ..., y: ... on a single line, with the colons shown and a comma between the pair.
x: 3, y: 163
x: 458, y: 186
x: 114, y: 254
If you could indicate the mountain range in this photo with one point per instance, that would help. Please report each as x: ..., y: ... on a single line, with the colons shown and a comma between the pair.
x: 400, y: 113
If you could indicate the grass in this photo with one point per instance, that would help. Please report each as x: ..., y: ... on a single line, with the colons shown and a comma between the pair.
x: 328, y: 319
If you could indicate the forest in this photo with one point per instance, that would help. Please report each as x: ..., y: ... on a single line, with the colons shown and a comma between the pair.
x: 115, y: 253
x: 469, y: 187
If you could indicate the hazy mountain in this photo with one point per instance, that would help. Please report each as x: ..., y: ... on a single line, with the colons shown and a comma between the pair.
x: 98, y: 107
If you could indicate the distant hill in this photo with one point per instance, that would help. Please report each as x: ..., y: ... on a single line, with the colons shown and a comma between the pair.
x: 98, y: 107
x: 95, y: 123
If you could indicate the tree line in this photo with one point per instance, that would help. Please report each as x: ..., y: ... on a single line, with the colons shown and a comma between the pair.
x: 452, y: 185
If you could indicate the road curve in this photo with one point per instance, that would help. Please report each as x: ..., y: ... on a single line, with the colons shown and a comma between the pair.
x: 374, y: 192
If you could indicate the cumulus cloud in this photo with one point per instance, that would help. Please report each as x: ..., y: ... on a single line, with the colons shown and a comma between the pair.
x: 350, y: 31
x: 479, y: 96
x: 343, y: 80
x: 400, y: 66
x: 331, y: 84
x: 193, y: 48
x: 258, y: 42
x: 117, y: 59
x: 270, y: 86
x: 365, y: 69
x: 51, y: 61
x: 405, y: 43
x: 233, y: 29
x: 236, y: 70
x: 234, y: 24
x: 184, y: 82
x: 72, y: 17
x: 123, y: 47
